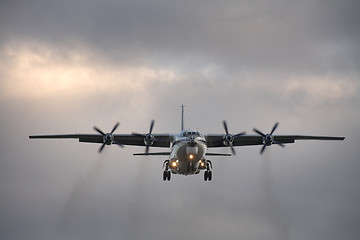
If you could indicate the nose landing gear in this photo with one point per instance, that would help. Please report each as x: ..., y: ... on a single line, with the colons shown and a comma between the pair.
x: 208, y: 172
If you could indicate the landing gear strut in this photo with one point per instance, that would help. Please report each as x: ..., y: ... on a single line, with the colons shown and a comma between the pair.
x: 167, y: 173
x: 208, y: 172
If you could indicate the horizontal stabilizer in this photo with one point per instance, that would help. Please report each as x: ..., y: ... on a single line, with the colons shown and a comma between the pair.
x: 152, y: 154
x: 218, y: 154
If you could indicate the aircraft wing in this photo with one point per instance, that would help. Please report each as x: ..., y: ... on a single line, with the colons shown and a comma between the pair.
x: 216, y: 140
x: 162, y: 140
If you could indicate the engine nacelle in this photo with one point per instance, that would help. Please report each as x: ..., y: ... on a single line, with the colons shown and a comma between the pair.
x: 228, y: 139
x: 108, y: 138
x: 149, y: 139
x: 268, y: 139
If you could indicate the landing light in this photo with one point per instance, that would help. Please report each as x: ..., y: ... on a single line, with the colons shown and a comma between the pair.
x: 191, y: 156
x: 173, y: 164
x: 202, y: 164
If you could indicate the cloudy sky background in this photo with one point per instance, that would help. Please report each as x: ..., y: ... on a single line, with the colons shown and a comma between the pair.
x: 66, y: 66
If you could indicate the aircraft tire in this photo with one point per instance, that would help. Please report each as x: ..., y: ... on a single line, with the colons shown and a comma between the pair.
x: 168, y: 175
x: 165, y: 175
x: 210, y: 175
x: 206, y: 175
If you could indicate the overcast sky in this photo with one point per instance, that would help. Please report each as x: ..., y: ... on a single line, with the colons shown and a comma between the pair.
x: 66, y: 66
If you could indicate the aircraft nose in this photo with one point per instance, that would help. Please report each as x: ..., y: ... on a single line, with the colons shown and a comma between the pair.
x: 192, y: 150
x: 191, y: 141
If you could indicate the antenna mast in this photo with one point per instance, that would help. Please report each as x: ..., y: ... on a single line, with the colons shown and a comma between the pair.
x: 182, y: 117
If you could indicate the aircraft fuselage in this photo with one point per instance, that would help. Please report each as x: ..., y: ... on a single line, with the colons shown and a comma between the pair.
x: 188, y: 153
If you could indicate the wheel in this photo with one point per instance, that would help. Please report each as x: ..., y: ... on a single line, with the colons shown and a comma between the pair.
x: 206, y: 175
x: 168, y: 175
x: 210, y: 175
x: 165, y: 175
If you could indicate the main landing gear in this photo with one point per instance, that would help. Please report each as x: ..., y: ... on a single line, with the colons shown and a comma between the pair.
x: 207, y: 175
x: 167, y: 173
x: 208, y: 172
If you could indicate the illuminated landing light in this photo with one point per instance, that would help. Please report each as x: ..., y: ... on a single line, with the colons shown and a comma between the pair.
x: 191, y: 156
x: 202, y: 164
x: 173, y: 164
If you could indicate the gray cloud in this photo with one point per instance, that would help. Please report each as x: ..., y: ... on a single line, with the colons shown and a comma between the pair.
x: 69, y: 65
x: 310, y: 35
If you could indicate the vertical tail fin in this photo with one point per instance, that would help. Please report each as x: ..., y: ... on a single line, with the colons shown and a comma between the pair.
x: 182, y: 117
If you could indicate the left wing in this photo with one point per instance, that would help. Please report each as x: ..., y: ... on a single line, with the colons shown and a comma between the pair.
x: 162, y: 140
x: 216, y: 140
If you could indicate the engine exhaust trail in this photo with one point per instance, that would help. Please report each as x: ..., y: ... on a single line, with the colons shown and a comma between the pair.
x: 137, y: 209
x: 272, y: 211
x: 68, y: 214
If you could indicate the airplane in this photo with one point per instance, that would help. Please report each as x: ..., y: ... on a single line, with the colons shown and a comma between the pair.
x: 188, y: 149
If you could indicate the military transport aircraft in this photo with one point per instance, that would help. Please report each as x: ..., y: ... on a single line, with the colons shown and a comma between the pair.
x: 188, y: 149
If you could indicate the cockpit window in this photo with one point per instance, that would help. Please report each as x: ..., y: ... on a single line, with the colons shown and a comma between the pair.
x: 190, y: 133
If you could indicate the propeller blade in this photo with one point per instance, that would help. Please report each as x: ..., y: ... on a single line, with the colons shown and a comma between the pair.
x: 146, y: 135
x: 259, y: 132
x: 278, y: 143
x: 239, y: 134
x: 99, y: 131
x: 117, y: 143
x: 138, y: 134
x: 102, y: 147
x: 151, y: 126
x: 232, y: 149
x: 268, y: 138
x: 262, y: 149
x: 225, y: 127
x: 115, y: 127
x: 107, y: 139
x: 275, y: 126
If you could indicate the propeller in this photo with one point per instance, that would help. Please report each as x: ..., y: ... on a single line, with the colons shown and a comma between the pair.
x: 148, y: 138
x: 229, y: 139
x: 108, y: 138
x: 268, y: 139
